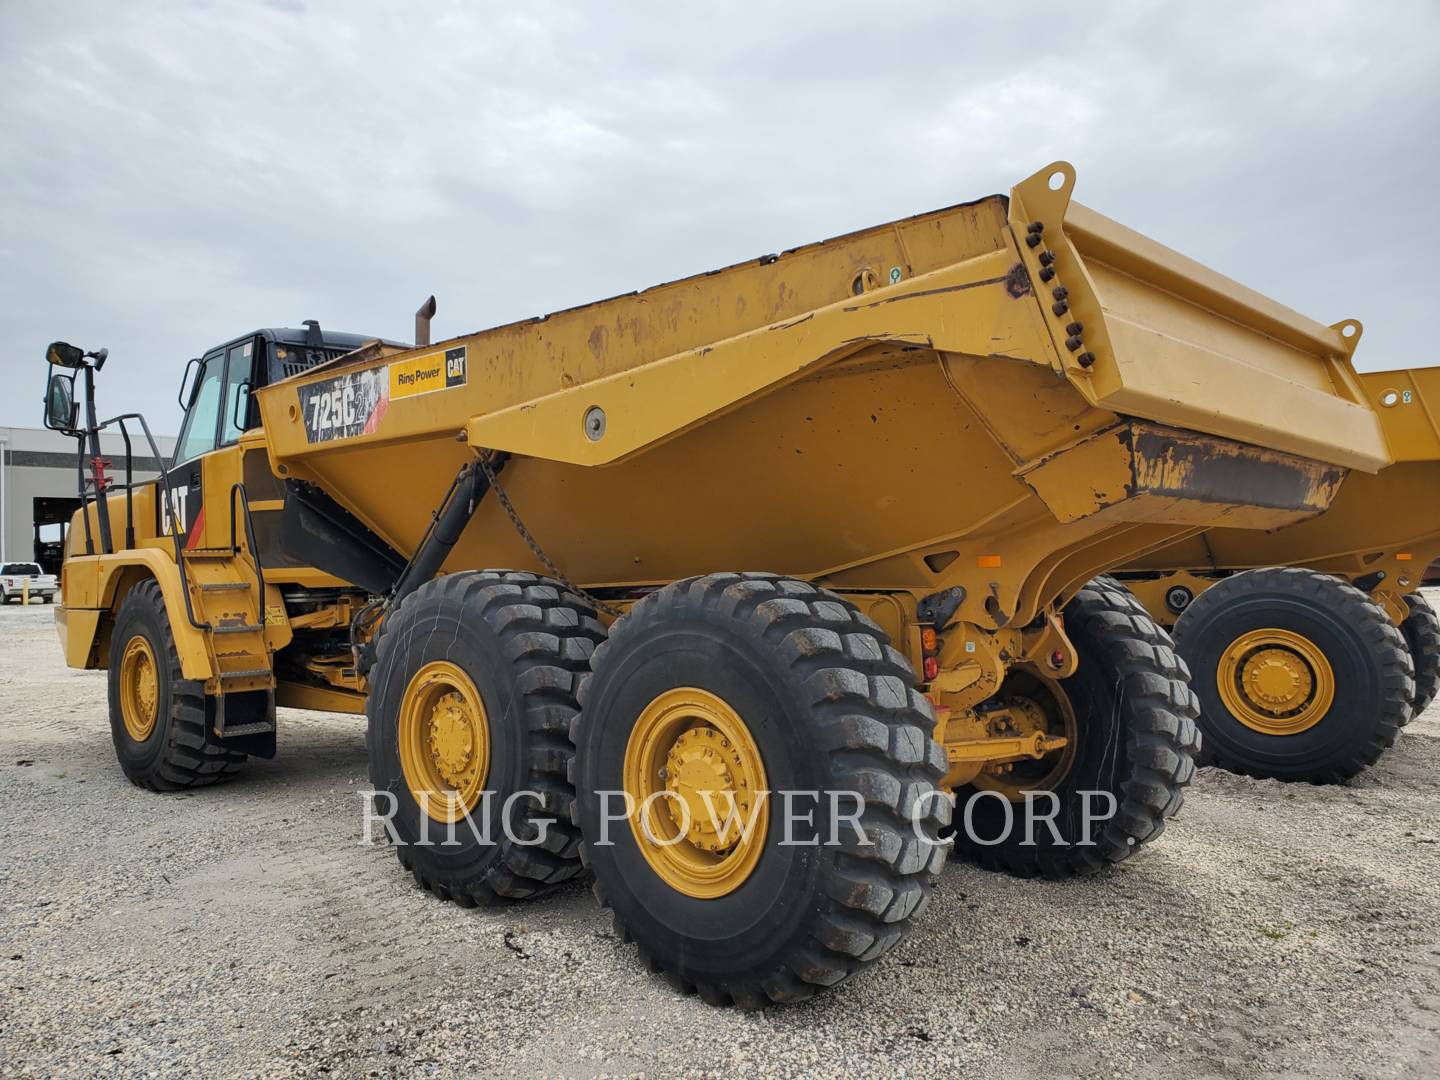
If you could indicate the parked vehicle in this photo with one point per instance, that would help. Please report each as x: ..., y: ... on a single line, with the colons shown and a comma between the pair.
x: 21, y: 579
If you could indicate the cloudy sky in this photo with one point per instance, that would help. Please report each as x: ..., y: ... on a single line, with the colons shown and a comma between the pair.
x: 175, y: 174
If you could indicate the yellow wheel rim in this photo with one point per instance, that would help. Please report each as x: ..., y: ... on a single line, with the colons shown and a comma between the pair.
x: 1036, y: 704
x: 688, y: 744
x: 444, y: 741
x: 1276, y: 682
x: 139, y: 689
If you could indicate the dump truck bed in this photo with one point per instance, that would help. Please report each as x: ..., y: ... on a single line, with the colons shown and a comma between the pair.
x: 1385, y: 525
x: 864, y: 409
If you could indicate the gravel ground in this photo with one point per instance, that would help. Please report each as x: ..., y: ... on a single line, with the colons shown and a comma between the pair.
x: 246, y: 930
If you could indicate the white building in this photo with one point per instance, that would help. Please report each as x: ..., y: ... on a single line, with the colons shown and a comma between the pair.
x: 39, y: 486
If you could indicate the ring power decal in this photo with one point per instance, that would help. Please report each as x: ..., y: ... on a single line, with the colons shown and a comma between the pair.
x: 426, y: 374
x: 354, y: 402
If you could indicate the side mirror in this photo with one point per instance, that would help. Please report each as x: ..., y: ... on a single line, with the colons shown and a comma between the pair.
x: 241, y: 412
x: 182, y: 397
x: 63, y: 354
x: 60, y: 406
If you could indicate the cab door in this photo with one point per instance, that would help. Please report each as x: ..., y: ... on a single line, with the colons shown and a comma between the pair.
x: 219, y: 405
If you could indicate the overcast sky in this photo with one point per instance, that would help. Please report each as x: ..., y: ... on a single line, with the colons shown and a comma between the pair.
x: 178, y: 174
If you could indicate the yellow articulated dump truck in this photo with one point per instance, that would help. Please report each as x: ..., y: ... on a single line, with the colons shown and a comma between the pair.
x: 724, y: 589
x: 1302, y: 642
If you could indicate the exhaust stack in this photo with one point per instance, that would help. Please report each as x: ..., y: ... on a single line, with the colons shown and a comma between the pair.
x: 423, y: 314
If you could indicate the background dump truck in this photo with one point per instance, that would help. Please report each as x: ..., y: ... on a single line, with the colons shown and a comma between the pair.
x: 819, y: 524
x: 1301, y: 641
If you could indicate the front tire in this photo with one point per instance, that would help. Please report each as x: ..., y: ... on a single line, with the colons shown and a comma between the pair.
x: 1301, y: 676
x: 738, y: 680
x: 1133, y: 737
x: 472, y: 694
x: 1421, y: 630
x: 157, y: 717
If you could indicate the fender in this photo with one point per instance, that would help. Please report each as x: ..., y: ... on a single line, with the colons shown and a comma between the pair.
x: 116, y: 577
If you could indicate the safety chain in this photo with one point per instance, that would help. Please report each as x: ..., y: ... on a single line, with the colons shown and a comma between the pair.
x: 533, y: 544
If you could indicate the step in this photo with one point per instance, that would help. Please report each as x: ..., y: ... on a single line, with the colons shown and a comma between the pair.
x: 258, y: 728
x: 223, y: 586
x: 209, y: 553
x: 238, y: 628
x: 246, y: 673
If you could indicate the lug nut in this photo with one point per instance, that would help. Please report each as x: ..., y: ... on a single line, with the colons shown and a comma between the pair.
x: 1085, y: 359
x: 1060, y: 307
x: 1075, y: 328
x: 1072, y: 343
x: 1047, y: 257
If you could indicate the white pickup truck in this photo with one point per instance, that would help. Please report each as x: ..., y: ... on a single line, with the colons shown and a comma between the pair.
x: 13, y: 578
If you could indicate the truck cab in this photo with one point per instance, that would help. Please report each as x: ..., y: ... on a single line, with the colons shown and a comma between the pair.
x: 219, y: 403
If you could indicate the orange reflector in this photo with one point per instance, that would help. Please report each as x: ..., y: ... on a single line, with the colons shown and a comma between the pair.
x: 1403, y: 556
x: 929, y: 641
x: 931, y: 668
x: 988, y: 562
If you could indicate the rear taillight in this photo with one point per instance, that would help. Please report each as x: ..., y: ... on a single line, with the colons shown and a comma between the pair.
x: 929, y: 650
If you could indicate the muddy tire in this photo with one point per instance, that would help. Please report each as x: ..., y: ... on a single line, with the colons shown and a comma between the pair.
x: 1300, y: 675
x: 514, y: 646
x: 1136, y: 740
x: 1421, y: 630
x: 826, y: 705
x: 157, y: 717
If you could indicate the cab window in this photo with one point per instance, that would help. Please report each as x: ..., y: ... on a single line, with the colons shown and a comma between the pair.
x: 237, y: 391
x: 197, y: 434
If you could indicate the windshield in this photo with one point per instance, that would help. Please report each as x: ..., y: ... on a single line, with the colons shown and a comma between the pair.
x: 20, y: 569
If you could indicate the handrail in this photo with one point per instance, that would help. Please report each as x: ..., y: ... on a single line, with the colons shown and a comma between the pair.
x: 250, y: 542
x: 169, y: 495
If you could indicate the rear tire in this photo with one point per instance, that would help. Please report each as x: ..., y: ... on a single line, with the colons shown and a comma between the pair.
x: 1421, y: 630
x: 1317, y: 680
x: 165, y: 746
x: 521, y: 641
x: 824, y: 704
x: 1136, y: 740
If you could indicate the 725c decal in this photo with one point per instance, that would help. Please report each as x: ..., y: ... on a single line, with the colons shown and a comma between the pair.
x: 354, y: 402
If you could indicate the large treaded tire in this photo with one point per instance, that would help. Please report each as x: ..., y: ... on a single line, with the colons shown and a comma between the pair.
x: 1421, y: 630
x: 831, y: 706
x: 178, y: 754
x: 1137, y: 740
x: 1373, y: 674
x: 525, y: 641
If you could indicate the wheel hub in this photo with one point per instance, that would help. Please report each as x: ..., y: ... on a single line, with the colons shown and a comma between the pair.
x: 697, y: 786
x: 139, y: 689
x: 1278, y: 680
x: 1275, y: 681
x: 443, y: 736
x: 452, y: 738
x: 1031, y: 703
x: 699, y: 764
